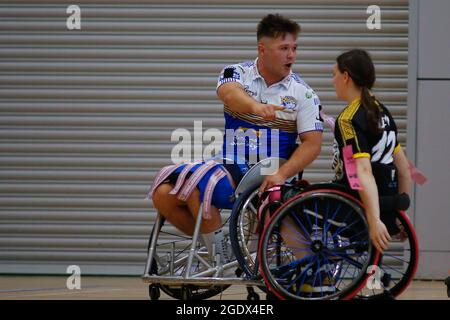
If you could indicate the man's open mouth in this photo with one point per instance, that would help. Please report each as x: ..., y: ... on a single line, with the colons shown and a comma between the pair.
x: 289, y: 65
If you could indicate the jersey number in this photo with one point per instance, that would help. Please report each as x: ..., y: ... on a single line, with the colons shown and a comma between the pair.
x: 384, y: 148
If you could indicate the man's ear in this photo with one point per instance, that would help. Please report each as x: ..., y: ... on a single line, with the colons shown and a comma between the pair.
x: 261, y: 47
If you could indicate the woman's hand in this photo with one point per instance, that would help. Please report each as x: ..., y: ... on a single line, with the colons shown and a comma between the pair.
x: 379, y: 235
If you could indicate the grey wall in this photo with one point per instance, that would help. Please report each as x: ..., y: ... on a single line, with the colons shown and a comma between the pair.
x: 429, y: 112
x: 86, y: 115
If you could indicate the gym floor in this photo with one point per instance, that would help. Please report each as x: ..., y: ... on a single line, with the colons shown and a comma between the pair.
x: 133, y: 288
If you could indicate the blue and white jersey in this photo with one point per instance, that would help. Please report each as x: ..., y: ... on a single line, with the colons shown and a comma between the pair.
x: 261, y: 137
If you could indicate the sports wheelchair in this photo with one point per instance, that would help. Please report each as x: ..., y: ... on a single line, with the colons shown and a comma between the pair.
x: 304, y: 242
x: 314, y: 244
x: 182, y: 267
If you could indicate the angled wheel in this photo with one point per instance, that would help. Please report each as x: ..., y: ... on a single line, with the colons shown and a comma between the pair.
x: 243, y: 230
x: 397, y: 266
x: 163, y: 266
x: 317, y: 246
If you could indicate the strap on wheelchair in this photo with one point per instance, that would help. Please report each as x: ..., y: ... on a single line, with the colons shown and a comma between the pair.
x: 187, y: 181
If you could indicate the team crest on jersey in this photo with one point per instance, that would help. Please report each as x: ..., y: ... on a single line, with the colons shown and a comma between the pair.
x: 230, y: 73
x: 289, y: 102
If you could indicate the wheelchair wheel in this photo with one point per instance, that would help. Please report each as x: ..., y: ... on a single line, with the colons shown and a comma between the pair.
x: 317, y: 246
x: 398, y: 265
x: 162, y: 266
x: 243, y: 234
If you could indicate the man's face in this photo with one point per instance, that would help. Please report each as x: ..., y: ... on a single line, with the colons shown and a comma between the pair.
x: 278, y: 55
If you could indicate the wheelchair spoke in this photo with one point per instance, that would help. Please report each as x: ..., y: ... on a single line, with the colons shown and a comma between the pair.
x: 252, y: 209
x: 316, y: 216
x: 329, y: 262
x: 396, y: 258
x: 289, y: 236
x: 393, y: 269
x: 357, y: 235
x: 300, y: 224
x: 353, y: 262
x: 289, y: 265
x: 342, y: 278
x: 274, y: 246
x: 307, y: 217
x: 339, y: 230
x: 334, y: 215
x: 304, y: 272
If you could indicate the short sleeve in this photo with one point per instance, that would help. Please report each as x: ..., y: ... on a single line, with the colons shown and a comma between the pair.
x: 232, y: 73
x: 308, y: 116
x: 361, y: 148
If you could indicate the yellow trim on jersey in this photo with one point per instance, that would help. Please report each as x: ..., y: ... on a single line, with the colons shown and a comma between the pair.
x: 345, y: 122
x: 281, y: 124
x: 361, y: 155
x: 397, y: 148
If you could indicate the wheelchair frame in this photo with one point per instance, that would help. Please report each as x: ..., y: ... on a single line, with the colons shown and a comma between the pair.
x: 211, y: 277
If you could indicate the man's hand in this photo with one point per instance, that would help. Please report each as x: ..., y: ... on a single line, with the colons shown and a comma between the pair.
x: 272, y: 180
x: 267, y: 111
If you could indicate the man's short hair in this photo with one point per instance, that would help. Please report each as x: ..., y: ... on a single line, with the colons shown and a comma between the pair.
x: 275, y: 25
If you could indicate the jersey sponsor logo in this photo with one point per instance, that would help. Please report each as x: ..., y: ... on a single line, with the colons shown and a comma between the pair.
x: 308, y: 95
x: 289, y: 102
x: 250, y: 92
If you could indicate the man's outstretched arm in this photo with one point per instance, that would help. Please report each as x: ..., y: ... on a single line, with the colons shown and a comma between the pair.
x: 234, y: 97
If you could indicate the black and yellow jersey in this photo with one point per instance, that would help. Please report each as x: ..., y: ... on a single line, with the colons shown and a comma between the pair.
x: 352, y: 127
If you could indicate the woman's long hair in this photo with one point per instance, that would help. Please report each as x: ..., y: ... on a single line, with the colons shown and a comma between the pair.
x: 360, y: 68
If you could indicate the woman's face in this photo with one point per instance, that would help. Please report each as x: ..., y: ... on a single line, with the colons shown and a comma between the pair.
x: 340, y: 83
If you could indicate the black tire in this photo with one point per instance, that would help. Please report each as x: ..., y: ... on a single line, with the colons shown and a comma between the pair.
x: 237, y: 238
x: 154, y: 292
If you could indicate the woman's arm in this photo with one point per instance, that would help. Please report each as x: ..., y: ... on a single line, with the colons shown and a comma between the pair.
x: 369, y: 195
x: 404, y: 176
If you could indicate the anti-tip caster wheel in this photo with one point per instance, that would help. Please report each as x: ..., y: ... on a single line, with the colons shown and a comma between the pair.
x: 186, y: 293
x: 447, y: 283
x: 253, y: 296
x: 154, y: 292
